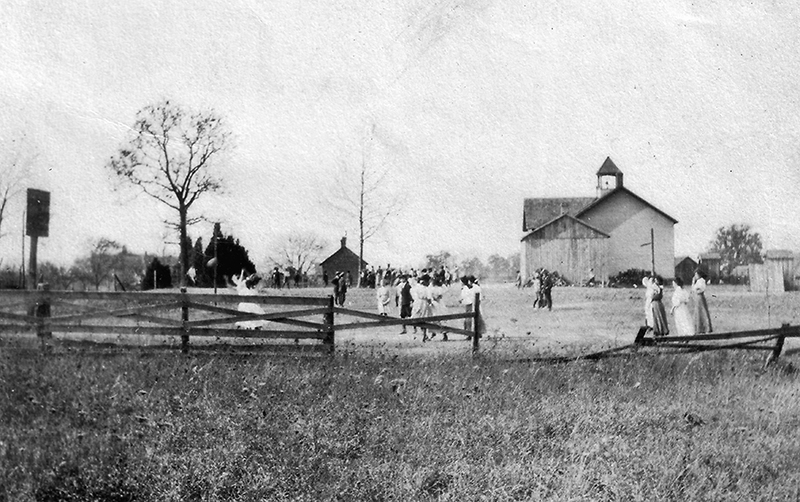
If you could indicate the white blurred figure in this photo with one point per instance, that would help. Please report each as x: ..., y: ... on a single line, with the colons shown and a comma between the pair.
x: 244, y: 287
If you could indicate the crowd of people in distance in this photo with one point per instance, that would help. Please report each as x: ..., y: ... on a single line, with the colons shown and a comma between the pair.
x: 689, y: 309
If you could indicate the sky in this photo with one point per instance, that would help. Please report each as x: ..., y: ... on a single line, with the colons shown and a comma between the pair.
x: 468, y: 107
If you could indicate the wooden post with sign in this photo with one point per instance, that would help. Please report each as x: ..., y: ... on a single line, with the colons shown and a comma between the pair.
x: 37, y: 225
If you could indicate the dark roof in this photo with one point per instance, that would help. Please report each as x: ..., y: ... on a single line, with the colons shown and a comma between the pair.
x: 554, y: 220
x: 680, y: 259
x: 617, y: 190
x: 345, y: 254
x: 539, y: 212
x: 608, y: 167
x: 779, y: 254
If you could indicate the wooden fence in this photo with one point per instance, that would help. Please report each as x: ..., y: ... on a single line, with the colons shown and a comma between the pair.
x: 770, y: 339
x: 187, y: 315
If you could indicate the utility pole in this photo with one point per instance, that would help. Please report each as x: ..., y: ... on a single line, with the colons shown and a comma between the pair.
x: 652, y: 251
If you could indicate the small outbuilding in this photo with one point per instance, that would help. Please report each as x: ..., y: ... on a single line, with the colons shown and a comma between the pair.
x: 684, y: 268
x: 343, y: 260
x: 710, y: 263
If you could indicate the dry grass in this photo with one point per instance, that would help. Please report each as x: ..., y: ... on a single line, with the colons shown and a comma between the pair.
x: 375, y: 423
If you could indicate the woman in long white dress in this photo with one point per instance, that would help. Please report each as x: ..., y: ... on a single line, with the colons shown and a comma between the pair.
x: 680, y: 309
x: 649, y: 284
x: 244, y: 287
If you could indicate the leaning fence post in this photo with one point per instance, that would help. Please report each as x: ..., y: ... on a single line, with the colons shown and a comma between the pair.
x: 330, y: 335
x: 185, y: 321
x: 776, y: 351
x: 476, y: 324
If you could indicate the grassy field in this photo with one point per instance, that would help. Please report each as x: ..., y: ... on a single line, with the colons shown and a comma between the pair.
x: 391, y: 418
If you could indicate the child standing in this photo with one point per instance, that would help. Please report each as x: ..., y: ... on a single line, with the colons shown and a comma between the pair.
x: 383, y: 298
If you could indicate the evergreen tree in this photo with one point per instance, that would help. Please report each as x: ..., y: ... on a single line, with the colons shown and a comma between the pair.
x: 158, y: 272
x: 232, y: 257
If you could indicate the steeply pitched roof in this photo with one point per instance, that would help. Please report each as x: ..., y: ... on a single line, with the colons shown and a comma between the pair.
x: 679, y: 259
x: 610, y: 195
x: 608, y: 167
x: 538, y: 212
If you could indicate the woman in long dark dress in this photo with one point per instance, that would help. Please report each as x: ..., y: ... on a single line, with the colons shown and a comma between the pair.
x: 660, y: 324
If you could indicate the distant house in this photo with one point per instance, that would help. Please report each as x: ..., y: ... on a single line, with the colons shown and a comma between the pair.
x: 784, y: 261
x: 685, y: 268
x: 711, y: 263
x: 343, y: 260
x: 601, y: 236
x: 775, y: 275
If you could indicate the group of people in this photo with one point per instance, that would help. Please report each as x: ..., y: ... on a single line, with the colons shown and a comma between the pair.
x: 690, y: 309
x: 340, y: 284
x: 542, y: 284
x: 421, y: 295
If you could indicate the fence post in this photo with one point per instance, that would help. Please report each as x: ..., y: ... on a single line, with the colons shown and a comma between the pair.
x: 776, y: 351
x: 476, y: 323
x: 330, y: 335
x: 41, y: 310
x: 640, y: 339
x: 185, y: 320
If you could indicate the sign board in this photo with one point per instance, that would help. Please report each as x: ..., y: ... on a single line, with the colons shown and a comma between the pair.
x: 38, y: 221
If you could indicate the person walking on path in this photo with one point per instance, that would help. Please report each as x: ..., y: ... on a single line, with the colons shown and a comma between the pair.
x: 680, y: 309
x: 702, y: 319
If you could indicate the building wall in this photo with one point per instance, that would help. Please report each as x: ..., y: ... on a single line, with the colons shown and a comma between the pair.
x: 628, y: 221
x: 567, y: 247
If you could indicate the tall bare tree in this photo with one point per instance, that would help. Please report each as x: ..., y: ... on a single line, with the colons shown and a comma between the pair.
x: 362, y: 192
x: 299, y: 250
x: 171, y: 156
x: 17, y: 157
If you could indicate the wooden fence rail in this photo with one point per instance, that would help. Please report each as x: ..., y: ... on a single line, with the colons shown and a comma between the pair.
x: 187, y: 315
x: 756, y: 339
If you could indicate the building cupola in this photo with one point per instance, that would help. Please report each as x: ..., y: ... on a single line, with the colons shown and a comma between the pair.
x: 609, y: 178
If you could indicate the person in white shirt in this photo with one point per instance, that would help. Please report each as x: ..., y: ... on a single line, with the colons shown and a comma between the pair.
x: 468, y: 301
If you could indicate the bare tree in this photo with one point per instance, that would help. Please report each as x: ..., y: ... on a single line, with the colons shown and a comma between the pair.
x: 300, y: 250
x: 17, y: 157
x: 361, y: 192
x: 170, y: 157
x: 100, y: 264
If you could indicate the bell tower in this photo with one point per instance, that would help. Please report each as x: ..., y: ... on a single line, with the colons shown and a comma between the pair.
x: 609, y: 178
